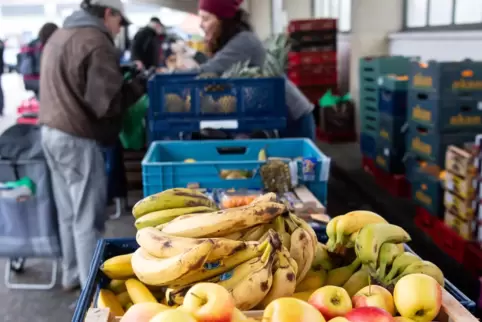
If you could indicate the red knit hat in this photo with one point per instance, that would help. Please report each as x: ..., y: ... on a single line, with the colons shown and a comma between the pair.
x: 221, y: 8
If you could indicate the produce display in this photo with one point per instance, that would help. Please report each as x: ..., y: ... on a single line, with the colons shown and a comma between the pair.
x: 198, y: 263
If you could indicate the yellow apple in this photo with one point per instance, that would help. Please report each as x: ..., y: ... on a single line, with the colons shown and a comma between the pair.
x: 289, y: 309
x: 209, y: 302
x: 174, y: 315
x: 402, y: 319
x: 143, y: 312
x: 374, y: 296
x: 418, y: 297
x: 238, y: 316
x: 339, y: 319
x: 331, y: 301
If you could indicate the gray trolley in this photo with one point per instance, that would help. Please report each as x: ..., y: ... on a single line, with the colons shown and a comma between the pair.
x: 28, y: 228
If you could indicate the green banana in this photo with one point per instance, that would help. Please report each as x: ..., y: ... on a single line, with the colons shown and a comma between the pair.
x: 372, y: 236
x: 322, y: 259
x: 423, y: 267
x: 340, y: 275
x: 160, y: 217
x: 171, y: 199
x: 357, y: 281
x: 388, y: 252
x: 399, y: 264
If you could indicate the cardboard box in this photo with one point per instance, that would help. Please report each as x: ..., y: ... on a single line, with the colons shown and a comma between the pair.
x: 465, y: 229
x: 460, y: 162
x: 464, y: 209
x: 463, y: 187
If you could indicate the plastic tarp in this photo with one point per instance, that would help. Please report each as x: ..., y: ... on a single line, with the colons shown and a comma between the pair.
x: 28, y: 226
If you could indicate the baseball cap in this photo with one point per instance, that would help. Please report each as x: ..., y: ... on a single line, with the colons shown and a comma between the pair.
x: 113, y: 4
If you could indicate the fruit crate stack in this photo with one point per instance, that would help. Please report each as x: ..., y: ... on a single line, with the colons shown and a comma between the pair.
x: 371, y: 69
x: 443, y: 110
x: 312, y: 62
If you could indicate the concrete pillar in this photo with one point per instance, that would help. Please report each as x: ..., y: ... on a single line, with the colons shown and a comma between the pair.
x: 372, y: 22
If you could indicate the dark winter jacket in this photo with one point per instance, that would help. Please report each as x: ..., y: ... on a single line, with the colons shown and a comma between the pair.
x: 146, y: 47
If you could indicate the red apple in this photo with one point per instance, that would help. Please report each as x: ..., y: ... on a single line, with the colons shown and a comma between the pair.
x: 369, y: 314
x: 174, y: 315
x: 418, y: 297
x: 209, y: 302
x: 375, y: 296
x: 331, y: 301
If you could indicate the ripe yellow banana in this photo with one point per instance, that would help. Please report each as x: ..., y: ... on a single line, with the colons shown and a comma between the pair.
x: 213, y: 269
x: 118, y: 267
x: 162, y: 245
x: 314, y: 279
x: 279, y: 227
x: 340, y: 275
x: 234, y: 236
x: 171, y: 199
x: 163, y: 271
x: 388, y: 252
x: 423, y: 267
x: 331, y: 233
x: 117, y: 286
x: 302, y: 252
x: 357, y: 281
x: 223, y: 222
x: 138, y: 292
x: 399, y: 264
x: 160, y: 217
x: 303, y: 224
x: 107, y: 300
x: 284, y: 280
x: 322, y: 259
x: 353, y: 222
x: 372, y: 236
x: 254, y: 287
x: 349, y: 241
x: 254, y: 233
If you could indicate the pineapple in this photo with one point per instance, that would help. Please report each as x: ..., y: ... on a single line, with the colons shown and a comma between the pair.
x: 227, y: 104
x: 174, y: 103
x: 211, y: 88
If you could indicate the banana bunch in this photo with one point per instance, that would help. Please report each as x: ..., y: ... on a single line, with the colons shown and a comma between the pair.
x: 163, y: 207
x: 407, y: 263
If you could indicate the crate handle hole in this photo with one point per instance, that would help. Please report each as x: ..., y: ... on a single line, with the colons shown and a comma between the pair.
x: 422, y: 130
x: 369, y: 89
x: 368, y: 69
x: 371, y: 118
x: 370, y: 99
x: 465, y: 108
x: 422, y: 96
x: 369, y: 79
x: 231, y: 150
x: 465, y: 94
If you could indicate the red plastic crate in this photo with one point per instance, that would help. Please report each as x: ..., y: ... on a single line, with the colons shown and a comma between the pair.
x: 313, y: 75
x: 368, y: 165
x: 448, y: 241
x: 396, y: 184
x: 311, y: 58
x: 335, y: 137
x: 312, y: 24
x: 473, y: 259
x: 27, y: 120
x: 425, y: 221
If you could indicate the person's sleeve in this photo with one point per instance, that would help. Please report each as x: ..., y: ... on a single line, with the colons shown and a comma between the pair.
x: 104, y: 83
x: 236, y: 50
x: 137, y: 48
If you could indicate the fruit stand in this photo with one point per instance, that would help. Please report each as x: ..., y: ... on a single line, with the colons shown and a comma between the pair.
x: 264, y: 260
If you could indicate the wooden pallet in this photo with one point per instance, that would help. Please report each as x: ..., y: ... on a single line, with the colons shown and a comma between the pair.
x: 451, y: 311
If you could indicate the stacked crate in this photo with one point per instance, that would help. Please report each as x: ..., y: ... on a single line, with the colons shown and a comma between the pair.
x: 312, y: 62
x: 371, y: 69
x: 443, y: 110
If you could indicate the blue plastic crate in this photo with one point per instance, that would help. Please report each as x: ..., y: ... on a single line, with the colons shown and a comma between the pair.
x: 108, y: 248
x: 163, y: 166
x: 368, y: 145
x: 181, y: 103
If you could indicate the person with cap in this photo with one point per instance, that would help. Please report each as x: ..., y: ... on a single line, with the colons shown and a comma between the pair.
x: 146, y: 46
x: 83, y: 97
x: 230, y: 39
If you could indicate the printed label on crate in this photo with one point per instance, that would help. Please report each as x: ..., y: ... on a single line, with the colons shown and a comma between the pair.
x: 460, y: 119
x: 420, y: 80
x: 463, y: 187
x: 420, y: 146
x: 381, y: 161
x: 463, y: 83
x: 420, y: 114
x: 225, y: 124
x: 384, y: 134
x: 465, y: 229
x: 465, y: 209
x: 424, y: 198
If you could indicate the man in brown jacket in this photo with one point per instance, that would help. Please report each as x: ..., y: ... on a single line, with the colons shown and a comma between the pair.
x: 83, y: 99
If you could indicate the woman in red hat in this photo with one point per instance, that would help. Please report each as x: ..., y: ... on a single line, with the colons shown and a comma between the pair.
x: 230, y: 40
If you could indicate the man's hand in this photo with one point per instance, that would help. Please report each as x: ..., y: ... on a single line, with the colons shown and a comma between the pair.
x: 139, y: 64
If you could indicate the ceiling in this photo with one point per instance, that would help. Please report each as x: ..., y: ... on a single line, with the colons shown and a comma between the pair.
x: 183, y: 5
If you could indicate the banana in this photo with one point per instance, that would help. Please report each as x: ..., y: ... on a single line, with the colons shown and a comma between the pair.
x: 253, y: 288
x: 254, y: 233
x: 423, y: 267
x: 223, y: 222
x: 117, y: 286
x: 340, y: 275
x: 210, y: 270
x: 350, y: 240
x: 162, y: 271
x: 267, y: 197
x: 399, y: 264
x: 353, y: 222
x: 234, y: 236
x: 284, y: 280
x: 107, y: 299
x: 303, y: 296
x: 161, y: 245
x: 171, y: 199
x: 124, y: 299
x: 138, y: 292
x: 322, y: 259
x: 357, y: 281
x: 262, y: 156
x: 279, y: 227
x: 314, y: 279
x: 160, y: 217
x: 302, y: 252
x: 303, y: 224
x: 175, y: 296
x: 372, y: 236
x: 331, y: 232
x: 388, y: 252
x: 118, y: 267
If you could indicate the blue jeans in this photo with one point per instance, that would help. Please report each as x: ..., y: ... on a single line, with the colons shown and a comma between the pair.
x: 304, y: 127
x: 2, y: 101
